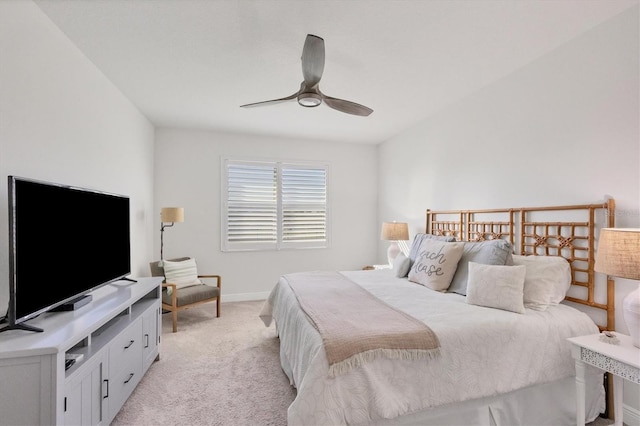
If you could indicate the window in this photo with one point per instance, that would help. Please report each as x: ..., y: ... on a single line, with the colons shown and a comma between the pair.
x: 270, y: 205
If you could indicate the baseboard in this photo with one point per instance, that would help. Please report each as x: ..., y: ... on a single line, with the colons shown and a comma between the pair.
x: 631, y: 416
x: 245, y: 297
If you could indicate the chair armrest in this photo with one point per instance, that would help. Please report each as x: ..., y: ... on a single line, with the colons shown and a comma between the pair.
x: 167, y: 285
x: 217, y: 277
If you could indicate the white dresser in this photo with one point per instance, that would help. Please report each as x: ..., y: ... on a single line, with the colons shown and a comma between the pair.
x: 118, y: 336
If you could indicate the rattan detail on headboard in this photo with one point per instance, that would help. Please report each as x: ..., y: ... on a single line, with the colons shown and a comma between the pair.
x: 567, y: 231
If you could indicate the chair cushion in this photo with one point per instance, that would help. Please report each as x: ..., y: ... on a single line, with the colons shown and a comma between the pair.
x: 192, y: 294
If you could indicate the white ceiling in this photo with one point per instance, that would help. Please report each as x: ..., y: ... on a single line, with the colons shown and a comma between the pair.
x: 191, y: 63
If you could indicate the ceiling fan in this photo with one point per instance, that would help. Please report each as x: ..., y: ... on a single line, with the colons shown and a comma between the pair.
x: 309, y: 94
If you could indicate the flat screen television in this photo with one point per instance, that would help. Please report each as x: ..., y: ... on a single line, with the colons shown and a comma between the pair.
x: 64, y: 242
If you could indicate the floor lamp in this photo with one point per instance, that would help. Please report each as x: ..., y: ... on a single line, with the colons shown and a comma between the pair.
x: 619, y: 256
x: 168, y: 215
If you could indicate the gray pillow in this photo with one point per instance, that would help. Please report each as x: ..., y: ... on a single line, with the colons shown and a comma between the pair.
x: 401, y: 265
x: 492, y: 252
x: 417, y: 242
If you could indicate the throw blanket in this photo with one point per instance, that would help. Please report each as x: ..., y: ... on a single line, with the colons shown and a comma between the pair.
x: 357, y: 327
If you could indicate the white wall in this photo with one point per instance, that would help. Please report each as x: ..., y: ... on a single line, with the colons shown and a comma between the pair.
x: 562, y: 130
x: 61, y: 120
x: 188, y: 175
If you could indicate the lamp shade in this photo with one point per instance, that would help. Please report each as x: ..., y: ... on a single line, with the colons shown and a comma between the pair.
x: 394, y: 231
x: 172, y: 214
x: 619, y: 253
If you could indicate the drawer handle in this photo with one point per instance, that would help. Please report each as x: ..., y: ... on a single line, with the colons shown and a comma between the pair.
x: 129, y: 345
x: 106, y: 381
x: 129, y: 379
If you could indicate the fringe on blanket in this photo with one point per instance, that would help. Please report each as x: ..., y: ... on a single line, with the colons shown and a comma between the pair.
x: 359, y: 359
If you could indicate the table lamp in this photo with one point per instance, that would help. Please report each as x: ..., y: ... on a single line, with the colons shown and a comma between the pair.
x: 394, y: 232
x: 619, y: 256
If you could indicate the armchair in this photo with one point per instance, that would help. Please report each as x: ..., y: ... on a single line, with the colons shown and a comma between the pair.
x: 176, y: 298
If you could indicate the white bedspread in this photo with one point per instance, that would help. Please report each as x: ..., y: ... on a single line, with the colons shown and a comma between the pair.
x: 484, y: 352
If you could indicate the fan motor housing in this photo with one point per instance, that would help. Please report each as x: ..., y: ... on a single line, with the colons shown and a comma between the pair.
x: 309, y: 99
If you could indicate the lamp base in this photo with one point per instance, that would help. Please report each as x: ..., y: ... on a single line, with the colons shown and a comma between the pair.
x: 631, y: 308
x: 392, y: 252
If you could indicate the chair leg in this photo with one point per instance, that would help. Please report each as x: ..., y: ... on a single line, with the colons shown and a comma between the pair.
x: 174, y: 315
x: 218, y: 307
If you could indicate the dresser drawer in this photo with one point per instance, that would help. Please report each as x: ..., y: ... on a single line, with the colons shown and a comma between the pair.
x: 126, y: 348
x: 122, y: 383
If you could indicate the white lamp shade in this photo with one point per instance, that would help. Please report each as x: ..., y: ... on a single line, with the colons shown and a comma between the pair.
x: 172, y: 214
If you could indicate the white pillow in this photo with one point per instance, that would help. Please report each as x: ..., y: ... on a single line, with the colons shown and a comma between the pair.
x: 496, y: 286
x: 436, y: 264
x: 546, y: 282
x: 490, y: 252
x: 401, y: 265
x: 182, y: 274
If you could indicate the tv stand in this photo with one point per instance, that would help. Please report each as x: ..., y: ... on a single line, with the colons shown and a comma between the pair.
x: 118, y: 336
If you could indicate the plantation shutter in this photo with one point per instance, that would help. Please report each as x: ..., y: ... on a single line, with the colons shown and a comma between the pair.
x: 252, y: 204
x: 304, y: 204
x: 270, y: 205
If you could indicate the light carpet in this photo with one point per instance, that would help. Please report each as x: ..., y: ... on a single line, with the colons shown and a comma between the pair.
x: 213, y: 371
x: 216, y: 371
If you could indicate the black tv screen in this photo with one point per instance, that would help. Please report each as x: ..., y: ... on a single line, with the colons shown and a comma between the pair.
x: 64, y: 242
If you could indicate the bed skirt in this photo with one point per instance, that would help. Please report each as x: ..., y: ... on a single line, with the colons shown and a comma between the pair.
x: 551, y: 404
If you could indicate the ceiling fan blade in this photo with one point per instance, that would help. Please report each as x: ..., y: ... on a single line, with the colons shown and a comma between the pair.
x: 312, y: 60
x: 346, y: 106
x: 273, y: 101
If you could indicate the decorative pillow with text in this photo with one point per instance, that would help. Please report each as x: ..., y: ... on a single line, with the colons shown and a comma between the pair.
x: 417, y: 244
x: 436, y: 264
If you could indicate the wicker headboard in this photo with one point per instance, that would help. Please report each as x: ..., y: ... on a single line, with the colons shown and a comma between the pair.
x: 567, y: 231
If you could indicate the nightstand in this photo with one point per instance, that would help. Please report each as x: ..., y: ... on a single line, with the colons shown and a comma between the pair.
x: 621, y: 360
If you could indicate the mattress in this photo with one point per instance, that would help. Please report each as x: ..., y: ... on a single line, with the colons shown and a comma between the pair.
x: 485, y: 353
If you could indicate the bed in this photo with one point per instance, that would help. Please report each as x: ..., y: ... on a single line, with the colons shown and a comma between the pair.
x: 499, y: 360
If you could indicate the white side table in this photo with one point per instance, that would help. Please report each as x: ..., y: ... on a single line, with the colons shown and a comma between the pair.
x: 621, y: 360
